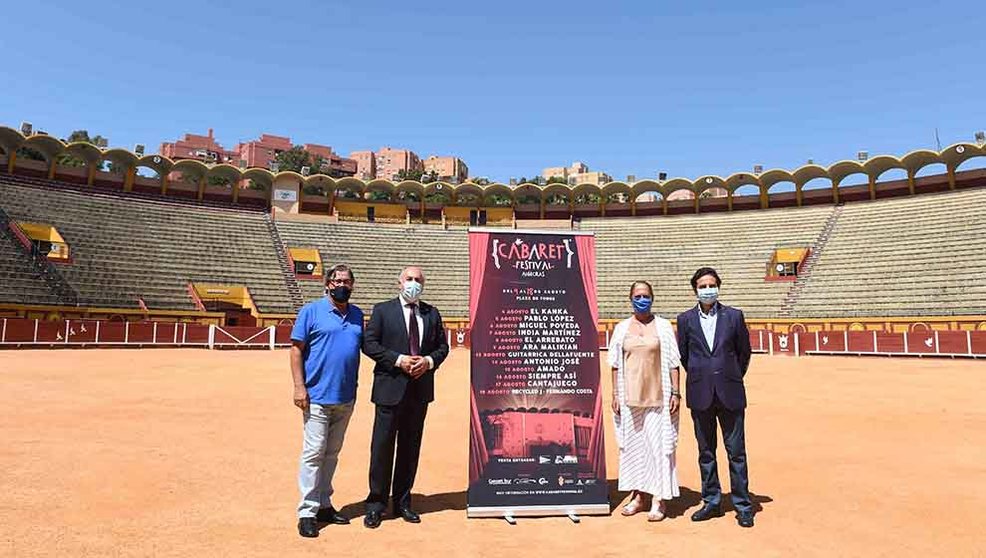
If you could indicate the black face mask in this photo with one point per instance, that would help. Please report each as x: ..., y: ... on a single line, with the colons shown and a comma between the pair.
x: 340, y: 293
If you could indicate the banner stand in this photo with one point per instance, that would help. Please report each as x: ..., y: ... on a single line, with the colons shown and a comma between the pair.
x: 572, y: 512
x: 536, y: 412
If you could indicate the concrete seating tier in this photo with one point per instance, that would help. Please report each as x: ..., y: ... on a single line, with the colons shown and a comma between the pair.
x: 902, y: 257
x: 20, y: 282
x: 377, y: 253
x: 124, y: 247
x: 666, y: 251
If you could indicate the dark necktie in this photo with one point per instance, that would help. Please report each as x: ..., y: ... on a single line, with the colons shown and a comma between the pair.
x: 413, y: 336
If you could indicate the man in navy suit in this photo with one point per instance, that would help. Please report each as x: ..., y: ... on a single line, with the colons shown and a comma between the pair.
x: 715, y: 351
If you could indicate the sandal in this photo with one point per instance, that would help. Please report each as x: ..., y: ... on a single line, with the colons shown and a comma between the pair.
x: 633, y: 506
x: 655, y: 515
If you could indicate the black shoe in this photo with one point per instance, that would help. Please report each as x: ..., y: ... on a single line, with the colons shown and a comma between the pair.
x: 308, y: 527
x: 372, y: 519
x: 407, y: 514
x: 745, y: 519
x: 707, y: 512
x: 330, y: 515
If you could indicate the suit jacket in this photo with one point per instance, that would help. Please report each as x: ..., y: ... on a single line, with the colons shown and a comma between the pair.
x: 718, y: 370
x: 386, y: 338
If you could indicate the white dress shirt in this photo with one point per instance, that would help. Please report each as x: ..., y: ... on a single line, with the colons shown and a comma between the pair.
x: 708, y: 322
x: 405, y: 305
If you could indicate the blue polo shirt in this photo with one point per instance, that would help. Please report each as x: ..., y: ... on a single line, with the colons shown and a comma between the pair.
x: 331, y: 355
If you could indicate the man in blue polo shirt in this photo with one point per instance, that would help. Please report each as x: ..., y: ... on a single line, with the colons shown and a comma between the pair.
x: 325, y: 353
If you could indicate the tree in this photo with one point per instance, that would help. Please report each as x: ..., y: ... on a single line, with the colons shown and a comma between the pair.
x: 500, y: 199
x: 219, y: 181
x: 469, y: 200
x: 528, y: 199
x: 295, y: 158
x: 416, y: 175
x: 68, y: 160
x: 556, y: 180
x: 313, y: 190
x: 30, y: 154
x: 378, y: 196
x: 438, y: 197
x: 481, y: 181
x: 618, y: 197
x: 557, y: 199
x: 408, y: 196
x: 587, y: 198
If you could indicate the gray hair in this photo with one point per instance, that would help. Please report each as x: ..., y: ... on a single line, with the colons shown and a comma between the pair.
x: 400, y: 276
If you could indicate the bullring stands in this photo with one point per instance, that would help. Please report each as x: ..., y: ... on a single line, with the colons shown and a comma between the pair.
x: 666, y: 251
x: 907, y: 256
x: 125, y: 248
x: 378, y: 252
x: 915, y: 256
x: 19, y: 280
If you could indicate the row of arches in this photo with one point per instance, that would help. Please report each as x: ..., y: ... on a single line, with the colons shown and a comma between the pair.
x: 806, y: 178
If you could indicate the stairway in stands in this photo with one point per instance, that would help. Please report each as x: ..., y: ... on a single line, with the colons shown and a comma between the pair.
x: 294, y: 290
x: 804, y: 275
x: 56, y: 283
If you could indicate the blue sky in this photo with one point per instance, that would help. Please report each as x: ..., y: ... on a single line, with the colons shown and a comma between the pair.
x: 690, y: 88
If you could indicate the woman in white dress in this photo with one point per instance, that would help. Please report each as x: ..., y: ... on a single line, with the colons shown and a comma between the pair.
x: 644, y: 356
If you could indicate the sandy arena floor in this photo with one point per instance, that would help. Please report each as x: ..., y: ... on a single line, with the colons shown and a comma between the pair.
x: 194, y: 453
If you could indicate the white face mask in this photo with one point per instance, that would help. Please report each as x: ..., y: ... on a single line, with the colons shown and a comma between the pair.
x: 708, y: 295
x: 412, y: 290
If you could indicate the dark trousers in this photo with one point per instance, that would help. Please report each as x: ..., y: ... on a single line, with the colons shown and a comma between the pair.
x: 402, y: 424
x: 735, y: 441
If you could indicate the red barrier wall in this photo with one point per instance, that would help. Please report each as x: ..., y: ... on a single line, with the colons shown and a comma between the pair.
x: 915, y: 343
x: 22, y: 332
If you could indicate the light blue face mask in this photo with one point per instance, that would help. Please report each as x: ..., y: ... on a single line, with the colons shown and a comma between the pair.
x: 641, y: 304
x: 708, y: 295
x: 412, y: 290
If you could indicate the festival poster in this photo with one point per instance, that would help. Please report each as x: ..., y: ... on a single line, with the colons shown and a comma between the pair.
x: 536, y: 435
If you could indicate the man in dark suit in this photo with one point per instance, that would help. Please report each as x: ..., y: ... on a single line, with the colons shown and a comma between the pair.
x: 407, y: 340
x: 715, y: 351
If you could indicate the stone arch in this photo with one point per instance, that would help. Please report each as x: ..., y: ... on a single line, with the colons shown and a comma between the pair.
x: 188, y: 170
x: 671, y: 187
x: 528, y: 194
x: 707, y: 183
x: 118, y: 161
x: 260, y: 180
x: 410, y: 191
x: 379, y: 191
x: 439, y: 192
x: 158, y: 164
x: 318, y: 185
x: 616, y: 193
x: 587, y: 194
x: 350, y: 188
x: 497, y: 195
x: 557, y: 194
x: 467, y: 194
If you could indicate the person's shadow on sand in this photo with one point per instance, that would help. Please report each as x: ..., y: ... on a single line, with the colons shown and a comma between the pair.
x: 446, y: 501
x: 421, y: 503
x: 687, y: 500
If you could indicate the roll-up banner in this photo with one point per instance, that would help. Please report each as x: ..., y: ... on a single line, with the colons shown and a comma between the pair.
x: 536, y: 434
